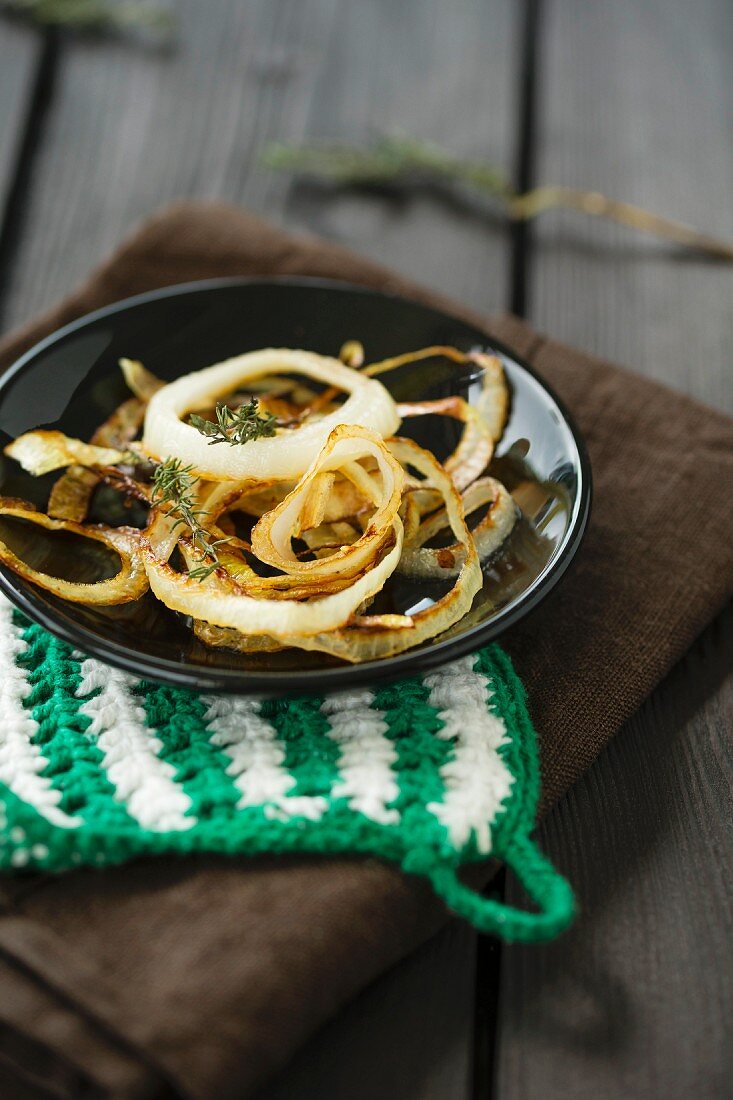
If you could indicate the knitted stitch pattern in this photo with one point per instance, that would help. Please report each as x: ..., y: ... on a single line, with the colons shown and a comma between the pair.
x: 431, y: 773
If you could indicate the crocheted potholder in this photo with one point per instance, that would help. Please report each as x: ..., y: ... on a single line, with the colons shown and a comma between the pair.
x: 431, y: 773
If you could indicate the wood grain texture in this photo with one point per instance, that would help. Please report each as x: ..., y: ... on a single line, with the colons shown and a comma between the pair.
x: 636, y: 101
x: 638, y: 999
x: 19, y: 53
x: 417, y: 68
x: 130, y: 129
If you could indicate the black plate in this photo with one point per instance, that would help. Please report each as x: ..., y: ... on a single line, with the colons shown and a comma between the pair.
x: 71, y: 381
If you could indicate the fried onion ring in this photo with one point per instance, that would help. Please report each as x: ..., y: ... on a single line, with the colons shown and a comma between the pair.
x: 41, y: 451
x: 271, y: 536
x: 129, y: 584
x: 374, y: 637
x: 286, y: 455
x: 285, y: 540
x: 216, y: 603
x: 489, y: 534
x: 352, y: 575
x: 476, y: 446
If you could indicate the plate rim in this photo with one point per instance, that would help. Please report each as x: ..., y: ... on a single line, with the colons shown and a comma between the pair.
x: 342, y: 677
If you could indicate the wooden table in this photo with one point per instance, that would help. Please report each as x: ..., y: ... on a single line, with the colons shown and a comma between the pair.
x: 632, y: 98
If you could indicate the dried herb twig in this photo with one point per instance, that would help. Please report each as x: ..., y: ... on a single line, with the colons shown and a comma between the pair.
x: 398, y: 158
x: 92, y: 16
x: 235, y: 426
x: 388, y: 160
x: 173, y: 485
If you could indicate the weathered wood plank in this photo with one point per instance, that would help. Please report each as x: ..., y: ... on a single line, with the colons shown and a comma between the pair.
x: 129, y: 130
x: 19, y: 52
x: 636, y: 1001
x: 434, y: 73
x: 636, y: 102
x: 132, y: 128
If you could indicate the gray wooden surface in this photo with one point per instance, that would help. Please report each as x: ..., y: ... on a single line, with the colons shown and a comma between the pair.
x: 130, y: 129
x: 636, y: 99
x: 637, y: 999
x: 633, y: 98
x: 18, y: 56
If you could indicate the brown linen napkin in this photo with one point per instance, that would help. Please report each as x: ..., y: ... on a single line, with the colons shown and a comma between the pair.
x: 198, y: 977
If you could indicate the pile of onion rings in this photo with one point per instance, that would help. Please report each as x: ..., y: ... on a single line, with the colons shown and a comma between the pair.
x: 286, y: 534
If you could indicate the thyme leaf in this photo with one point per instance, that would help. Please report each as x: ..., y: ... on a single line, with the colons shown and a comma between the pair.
x: 91, y: 16
x: 235, y: 426
x: 174, y: 485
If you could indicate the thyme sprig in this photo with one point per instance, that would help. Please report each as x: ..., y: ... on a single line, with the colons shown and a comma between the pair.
x: 400, y: 159
x: 235, y: 426
x: 92, y: 16
x: 387, y: 160
x: 174, y: 485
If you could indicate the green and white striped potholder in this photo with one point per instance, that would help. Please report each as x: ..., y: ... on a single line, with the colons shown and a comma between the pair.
x: 431, y: 773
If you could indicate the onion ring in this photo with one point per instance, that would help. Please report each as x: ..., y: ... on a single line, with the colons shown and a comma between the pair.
x: 353, y: 574
x: 374, y: 637
x: 476, y: 446
x: 41, y: 451
x: 139, y: 380
x: 493, y: 402
x: 129, y: 584
x: 214, y: 602
x: 71, y: 495
x: 283, y: 456
x: 346, y: 444
x: 489, y: 534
